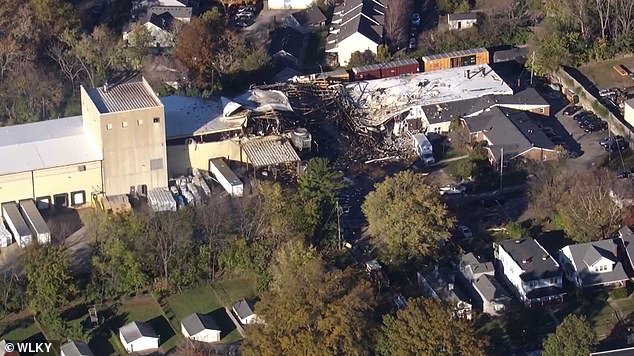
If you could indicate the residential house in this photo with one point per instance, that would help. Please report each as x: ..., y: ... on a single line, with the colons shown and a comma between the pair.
x: 287, y: 47
x: 441, y: 284
x: 245, y: 310
x: 594, y: 264
x: 138, y: 336
x: 462, y: 20
x: 311, y: 19
x: 202, y: 328
x: 533, y: 275
x: 510, y: 134
x: 288, y: 4
x: 75, y: 348
x: 357, y: 26
x: 479, y: 276
x: 162, y: 27
x: 182, y: 10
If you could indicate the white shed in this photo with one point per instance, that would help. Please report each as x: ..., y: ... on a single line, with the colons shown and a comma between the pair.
x: 245, y: 311
x: 201, y: 328
x: 138, y: 336
x: 75, y: 348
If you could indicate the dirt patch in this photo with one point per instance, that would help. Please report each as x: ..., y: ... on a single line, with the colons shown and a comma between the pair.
x: 604, y: 76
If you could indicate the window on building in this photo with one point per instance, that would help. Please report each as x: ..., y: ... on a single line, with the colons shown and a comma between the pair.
x: 60, y: 200
x: 156, y: 120
x: 43, y: 203
x: 108, y: 126
x: 81, y: 168
x: 78, y: 198
x: 124, y: 124
x: 139, y: 122
x: 156, y: 164
x: 541, y: 110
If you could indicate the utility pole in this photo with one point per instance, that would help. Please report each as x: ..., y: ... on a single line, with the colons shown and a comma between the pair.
x: 533, y: 68
x: 501, y: 165
x: 337, y: 208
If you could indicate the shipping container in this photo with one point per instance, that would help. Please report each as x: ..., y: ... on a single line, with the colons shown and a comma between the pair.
x: 400, y: 67
x: 161, y: 199
x: 5, y: 236
x: 225, y: 176
x: 16, y: 224
x: 372, y: 71
x: 456, y: 59
x: 35, y: 221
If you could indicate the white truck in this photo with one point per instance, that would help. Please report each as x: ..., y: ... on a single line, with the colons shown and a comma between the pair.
x: 225, y: 176
x: 34, y: 220
x: 16, y: 224
x: 424, y: 148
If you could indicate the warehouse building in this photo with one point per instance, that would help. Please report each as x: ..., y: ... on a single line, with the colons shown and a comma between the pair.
x: 116, y: 146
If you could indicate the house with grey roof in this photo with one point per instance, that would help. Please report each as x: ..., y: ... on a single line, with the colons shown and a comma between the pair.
x: 287, y: 47
x: 492, y: 298
x: 441, y: 283
x: 202, y: 328
x: 510, y: 134
x: 462, y: 20
x: 138, y: 336
x: 603, y: 263
x: 75, y: 348
x: 162, y: 28
x: 530, y: 271
x: 245, y: 311
x: 473, y: 268
x: 357, y: 26
x: 307, y: 20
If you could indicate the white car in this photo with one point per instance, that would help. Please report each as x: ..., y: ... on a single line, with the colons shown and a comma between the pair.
x: 465, y: 231
x: 606, y: 92
x: 452, y: 189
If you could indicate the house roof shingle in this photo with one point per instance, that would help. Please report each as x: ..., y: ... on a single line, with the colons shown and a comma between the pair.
x: 585, y: 255
x: 164, y: 20
x: 444, y: 286
x: 490, y: 288
x: 76, y: 348
x: 289, y: 40
x: 244, y: 308
x: 462, y: 16
x: 196, y: 323
x: 477, y: 267
x: 136, y: 330
x: 310, y: 16
x: 359, y: 16
x: 532, y: 258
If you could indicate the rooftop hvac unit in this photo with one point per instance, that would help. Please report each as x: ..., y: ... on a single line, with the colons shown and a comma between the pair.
x: 302, y: 139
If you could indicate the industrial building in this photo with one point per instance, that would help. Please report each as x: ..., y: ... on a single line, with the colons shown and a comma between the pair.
x: 628, y: 113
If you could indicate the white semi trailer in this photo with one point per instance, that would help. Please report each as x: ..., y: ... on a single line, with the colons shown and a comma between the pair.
x: 16, y: 224
x: 34, y: 220
x: 225, y: 176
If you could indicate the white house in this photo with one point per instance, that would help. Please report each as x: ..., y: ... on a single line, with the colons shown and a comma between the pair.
x: 245, y: 311
x: 356, y: 26
x: 75, y: 348
x: 287, y: 4
x: 460, y: 21
x: 201, y: 328
x: 597, y: 264
x: 492, y: 297
x: 138, y: 336
x: 441, y: 284
x: 533, y: 275
x: 162, y: 27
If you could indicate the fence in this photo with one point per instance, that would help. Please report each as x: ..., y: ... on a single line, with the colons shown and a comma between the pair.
x: 589, y: 102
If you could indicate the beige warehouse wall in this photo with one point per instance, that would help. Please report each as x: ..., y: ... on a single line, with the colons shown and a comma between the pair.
x: 90, y: 117
x: 183, y: 157
x: 68, y: 179
x: 629, y: 113
x: 14, y: 187
x: 132, y: 141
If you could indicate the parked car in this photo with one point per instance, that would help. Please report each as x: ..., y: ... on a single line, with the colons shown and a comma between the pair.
x: 415, y: 21
x: 241, y: 24
x: 583, y: 123
x: 580, y: 115
x: 606, y: 92
x: 598, y: 125
x: 465, y: 231
x: 570, y: 110
x: 453, y: 189
x: 617, y: 146
x: 624, y: 173
x: 242, y: 9
x: 611, y: 140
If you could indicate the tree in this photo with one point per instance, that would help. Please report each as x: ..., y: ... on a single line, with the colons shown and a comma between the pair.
x: 167, y: 233
x: 459, y: 135
x: 50, y: 283
x: 313, y: 312
x: 212, y: 220
x: 358, y: 59
x: 428, y: 327
x: 117, y: 268
x: 574, y: 336
x: 397, y: 15
x: 548, y: 182
x: 406, y: 217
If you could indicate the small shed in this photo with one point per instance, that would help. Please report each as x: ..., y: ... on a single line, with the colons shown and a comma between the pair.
x: 245, y: 311
x: 138, y: 336
x: 75, y: 348
x: 202, y: 328
x: 462, y: 20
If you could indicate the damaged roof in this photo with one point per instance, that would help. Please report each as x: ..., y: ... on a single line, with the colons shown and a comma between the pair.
x: 269, y: 151
x: 187, y: 116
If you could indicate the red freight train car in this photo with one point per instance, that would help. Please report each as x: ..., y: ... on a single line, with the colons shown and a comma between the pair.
x: 399, y: 67
x: 372, y: 71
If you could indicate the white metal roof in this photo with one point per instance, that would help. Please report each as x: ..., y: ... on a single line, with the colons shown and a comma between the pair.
x: 382, y: 99
x: 46, y: 144
x: 123, y: 97
x: 187, y: 116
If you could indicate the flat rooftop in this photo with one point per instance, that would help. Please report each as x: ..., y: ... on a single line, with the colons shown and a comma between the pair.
x: 123, y: 97
x: 46, y: 144
x: 187, y: 116
x: 382, y: 99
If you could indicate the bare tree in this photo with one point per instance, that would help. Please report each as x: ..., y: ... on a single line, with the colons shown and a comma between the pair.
x: 68, y: 64
x: 604, y: 11
x: 623, y: 21
x: 397, y: 13
x: 213, y: 221
x: 166, y: 233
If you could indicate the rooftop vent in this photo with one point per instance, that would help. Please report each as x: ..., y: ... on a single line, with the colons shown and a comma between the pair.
x: 544, y: 257
x: 527, y: 260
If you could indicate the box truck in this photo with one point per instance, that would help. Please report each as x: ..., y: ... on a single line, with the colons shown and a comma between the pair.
x: 35, y: 221
x: 16, y: 224
x: 424, y: 148
x: 225, y: 176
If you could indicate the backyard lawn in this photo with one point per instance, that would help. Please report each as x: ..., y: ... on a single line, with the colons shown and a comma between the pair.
x: 604, y: 76
x: 145, y: 308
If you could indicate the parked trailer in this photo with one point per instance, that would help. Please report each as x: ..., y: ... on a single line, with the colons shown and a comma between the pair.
x: 225, y: 176
x: 35, y: 221
x: 400, y: 67
x: 456, y: 59
x: 17, y: 225
x: 5, y: 236
x: 372, y: 71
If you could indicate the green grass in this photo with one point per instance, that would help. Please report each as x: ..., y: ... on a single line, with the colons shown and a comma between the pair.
x: 236, y: 289
x: 197, y: 300
x: 19, y: 330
